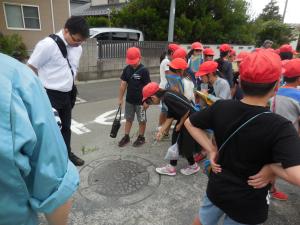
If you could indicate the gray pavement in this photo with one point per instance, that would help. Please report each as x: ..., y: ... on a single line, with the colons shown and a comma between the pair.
x: 120, y: 186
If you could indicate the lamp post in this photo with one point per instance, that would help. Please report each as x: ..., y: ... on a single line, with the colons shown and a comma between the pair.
x: 171, y: 21
x: 285, y: 6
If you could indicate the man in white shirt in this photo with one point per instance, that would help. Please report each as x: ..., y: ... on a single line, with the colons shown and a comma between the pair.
x: 57, y: 71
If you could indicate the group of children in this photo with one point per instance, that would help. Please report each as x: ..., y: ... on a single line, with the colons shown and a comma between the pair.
x: 259, y: 146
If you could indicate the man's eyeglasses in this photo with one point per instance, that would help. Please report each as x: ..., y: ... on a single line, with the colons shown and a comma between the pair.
x: 75, y: 39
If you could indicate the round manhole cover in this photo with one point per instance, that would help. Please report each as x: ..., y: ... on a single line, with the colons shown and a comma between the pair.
x: 119, y: 177
x: 118, y: 180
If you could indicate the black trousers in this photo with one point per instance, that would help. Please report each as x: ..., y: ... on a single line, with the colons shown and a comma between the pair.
x: 61, y: 101
x: 186, y: 143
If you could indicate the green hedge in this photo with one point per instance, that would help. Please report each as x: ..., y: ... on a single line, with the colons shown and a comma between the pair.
x: 13, y: 45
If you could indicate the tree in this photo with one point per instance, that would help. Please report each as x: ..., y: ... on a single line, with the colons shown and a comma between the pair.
x: 276, y: 31
x: 271, y: 12
x: 209, y: 21
x: 97, y: 21
x: 270, y: 26
x: 13, y: 45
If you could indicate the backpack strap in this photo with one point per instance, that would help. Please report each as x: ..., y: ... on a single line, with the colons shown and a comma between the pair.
x: 184, y: 101
x: 63, y: 49
x: 240, y: 127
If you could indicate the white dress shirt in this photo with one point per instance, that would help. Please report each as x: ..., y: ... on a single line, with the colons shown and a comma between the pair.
x: 162, y: 71
x: 53, y: 69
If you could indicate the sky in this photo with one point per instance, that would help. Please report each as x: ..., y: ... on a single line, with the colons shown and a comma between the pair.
x: 292, y: 11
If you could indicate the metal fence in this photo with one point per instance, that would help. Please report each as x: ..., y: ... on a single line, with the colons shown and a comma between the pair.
x: 117, y: 49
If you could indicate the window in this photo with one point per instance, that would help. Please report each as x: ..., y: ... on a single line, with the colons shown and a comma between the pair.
x: 119, y: 36
x: 103, y: 36
x: 134, y: 36
x: 22, y: 16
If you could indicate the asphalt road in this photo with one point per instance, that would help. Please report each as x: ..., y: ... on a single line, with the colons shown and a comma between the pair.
x: 102, y: 90
x: 119, y: 186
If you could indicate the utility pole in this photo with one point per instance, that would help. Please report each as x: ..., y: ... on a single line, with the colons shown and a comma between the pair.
x: 171, y: 21
x: 108, y: 14
x: 284, y: 12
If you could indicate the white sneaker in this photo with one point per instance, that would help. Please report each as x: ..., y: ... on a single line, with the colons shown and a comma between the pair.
x: 166, y: 170
x: 190, y: 169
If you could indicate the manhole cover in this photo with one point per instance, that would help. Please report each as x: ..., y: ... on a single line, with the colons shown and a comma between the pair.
x: 118, y: 180
x: 119, y: 177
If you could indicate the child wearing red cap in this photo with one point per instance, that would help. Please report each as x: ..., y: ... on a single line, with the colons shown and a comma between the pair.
x: 163, y: 70
x: 254, y: 145
x: 287, y: 99
x: 208, y: 54
x: 287, y: 104
x: 195, y: 56
x: 286, y: 52
x: 174, y: 75
x: 208, y: 74
x: 178, y: 108
x: 224, y: 65
x: 236, y: 90
x: 134, y: 77
x: 232, y: 55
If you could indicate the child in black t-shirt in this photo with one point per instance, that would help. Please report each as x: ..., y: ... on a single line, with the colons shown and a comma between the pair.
x: 134, y: 77
x: 178, y: 108
x: 239, y: 185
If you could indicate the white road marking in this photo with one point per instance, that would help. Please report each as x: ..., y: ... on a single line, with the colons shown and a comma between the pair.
x: 78, y: 128
x: 110, y: 115
x: 104, y: 119
x: 80, y: 100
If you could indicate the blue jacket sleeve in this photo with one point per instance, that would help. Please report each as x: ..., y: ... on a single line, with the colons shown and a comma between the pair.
x: 39, y: 148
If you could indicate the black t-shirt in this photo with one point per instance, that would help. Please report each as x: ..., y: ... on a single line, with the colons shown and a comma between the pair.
x: 136, y: 80
x: 269, y: 138
x: 177, y: 105
x: 225, y: 70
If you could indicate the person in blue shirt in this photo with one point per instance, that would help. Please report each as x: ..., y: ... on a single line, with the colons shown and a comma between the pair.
x: 35, y: 173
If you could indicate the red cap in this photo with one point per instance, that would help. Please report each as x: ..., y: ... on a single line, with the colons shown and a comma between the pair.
x: 206, y: 68
x: 197, y: 46
x: 232, y: 52
x: 225, y: 48
x: 261, y: 66
x: 173, y: 47
x: 149, y: 90
x: 178, y: 64
x: 292, y: 68
x: 179, y: 53
x: 241, y: 56
x: 133, y: 55
x: 208, y: 51
x: 286, y: 48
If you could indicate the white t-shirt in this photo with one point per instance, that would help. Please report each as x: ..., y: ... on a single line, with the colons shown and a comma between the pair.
x: 53, y: 69
x: 222, y: 89
x: 162, y: 71
x: 188, y: 86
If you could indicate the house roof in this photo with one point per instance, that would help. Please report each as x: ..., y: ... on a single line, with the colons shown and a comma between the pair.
x: 101, y: 10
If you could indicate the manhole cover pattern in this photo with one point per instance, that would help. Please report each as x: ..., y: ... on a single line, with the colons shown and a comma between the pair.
x: 119, y: 178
